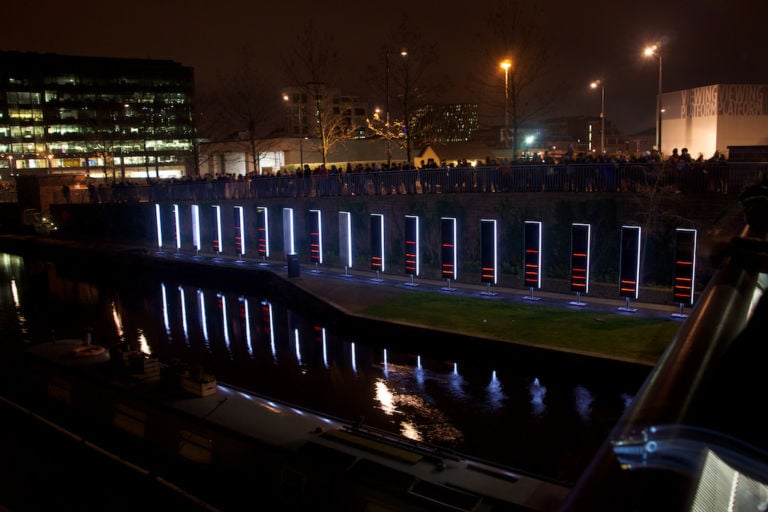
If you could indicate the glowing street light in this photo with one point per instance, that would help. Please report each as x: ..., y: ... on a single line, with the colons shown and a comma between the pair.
x: 505, y: 65
x: 654, y: 51
x: 594, y: 85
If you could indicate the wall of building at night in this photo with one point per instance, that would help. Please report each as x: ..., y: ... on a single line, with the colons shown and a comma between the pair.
x: 714, y: 117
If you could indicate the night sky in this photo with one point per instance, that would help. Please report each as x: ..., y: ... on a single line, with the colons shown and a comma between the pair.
x: 705, y: 41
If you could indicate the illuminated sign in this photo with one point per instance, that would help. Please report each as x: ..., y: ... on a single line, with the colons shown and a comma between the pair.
x: 315, y: 236
x: 448, y: 247
x: 488, y: 251
x: 377, y: 242
x: 580, y: 246
x: 629, y: 262
x: 685, y: 265
x: 262, y: 231
x: 412, y: 257
x: 532, y: 253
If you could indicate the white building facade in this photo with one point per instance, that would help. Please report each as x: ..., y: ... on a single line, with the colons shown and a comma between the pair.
x: 711, y: 118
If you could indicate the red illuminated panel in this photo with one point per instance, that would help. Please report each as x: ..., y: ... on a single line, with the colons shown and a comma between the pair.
x: 580, y: 246
x: 411, y: 245
x: 685, y: 266
x: 448, y: 247
x: 532, y: 254
x: 629, y: 262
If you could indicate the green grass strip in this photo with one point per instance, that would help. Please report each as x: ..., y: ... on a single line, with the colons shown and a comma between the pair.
x: 599, y: 333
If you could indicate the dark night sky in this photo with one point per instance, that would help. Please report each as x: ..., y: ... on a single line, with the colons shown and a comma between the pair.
x: 706, y: 41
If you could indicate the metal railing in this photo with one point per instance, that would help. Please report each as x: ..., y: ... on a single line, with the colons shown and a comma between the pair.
x: 720, y: 178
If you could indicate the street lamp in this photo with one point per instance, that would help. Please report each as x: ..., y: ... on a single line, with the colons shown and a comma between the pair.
x: 505, y: 65
x: 652, y: 51
x: 594, y: 85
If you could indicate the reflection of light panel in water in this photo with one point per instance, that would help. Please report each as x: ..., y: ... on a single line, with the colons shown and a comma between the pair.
x: 354, y: 357
x: 245, y: 316
x: 165, y: 309
x: 183, y: 303
x: 203, y: 319
x: 325, y: 349
x: 269, y: 327
x: 222, y: 303
x: 298, y: 346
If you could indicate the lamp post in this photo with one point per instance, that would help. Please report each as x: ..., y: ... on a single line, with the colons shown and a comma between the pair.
x: 594, y: 85
x: 505, y: 65
x: 654, y: 51
x: 386, y: 108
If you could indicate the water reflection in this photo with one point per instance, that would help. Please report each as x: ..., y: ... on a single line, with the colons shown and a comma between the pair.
x: 492, y: 407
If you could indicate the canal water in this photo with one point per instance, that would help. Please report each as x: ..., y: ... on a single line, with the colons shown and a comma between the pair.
x: 545, y: 415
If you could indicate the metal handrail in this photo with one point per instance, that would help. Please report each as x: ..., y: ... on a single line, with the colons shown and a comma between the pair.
x: 668, y: 394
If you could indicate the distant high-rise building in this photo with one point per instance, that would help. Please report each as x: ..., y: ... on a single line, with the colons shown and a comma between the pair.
x: 105, y: 117
x: 436, y: 124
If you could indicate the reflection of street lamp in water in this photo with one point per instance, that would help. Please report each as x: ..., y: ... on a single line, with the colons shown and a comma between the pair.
x: 505, y: 65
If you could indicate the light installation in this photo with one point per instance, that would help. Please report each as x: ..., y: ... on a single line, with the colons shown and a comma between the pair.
x: 262, y: 232
x: 580, y: 247
x: 217, y: 240
x: 685, y: 268
x: 412, y: 250
x: 345, y: 240
x: 245, y: 318
x: 629, y: 265
x: 377, y: 243
x: 288, y: 238
x: 159, y: 227
x: 488, y: 252
x: 239, y: 230
x: 176, y: 226
x: 315, y: 225
x: 448, y: 250
x: 196, y: 240
x: 532, y: 256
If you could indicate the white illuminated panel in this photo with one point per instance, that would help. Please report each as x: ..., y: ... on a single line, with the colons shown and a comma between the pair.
x: 262, y: 229
x: 412, y: 247
x: 159, y: 227
x: 176, y: 225
x: 377, y: 257
x: 196, y: 241
x: 345, y: 238
x: 240, y: 229
x: 288, y: 239
x: 217, y: 244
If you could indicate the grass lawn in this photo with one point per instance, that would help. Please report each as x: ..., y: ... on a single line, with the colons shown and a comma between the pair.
x: 606, y: 334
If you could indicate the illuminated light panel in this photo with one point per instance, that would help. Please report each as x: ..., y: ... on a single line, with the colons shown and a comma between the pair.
x: 221, y: 303
x: 345, y: 238
x: 488, y: 251
x: 239, y: 230
x: 159, y: 228
x: 262, y: 231
x: 629, y: 262
x: 580, y: 256
x: 166, y: 320
x: 245, y: 317
x: 203, y: 318
x: 183, y: 302
x: 532, y: 255
x: 377, y: 242
x: 288, y: 238
x: 196, y: 240
x: 412, y: 250
x: 316, y: 237
x: 176, y: 225
x: 217, y: 239
x: 685, y: 266
x: 448, y: 247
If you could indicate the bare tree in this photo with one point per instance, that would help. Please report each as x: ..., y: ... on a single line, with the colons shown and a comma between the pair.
x: 513, y: 33
x: 244, y: 108
x: 408, y: 74
x: 311, y: 66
